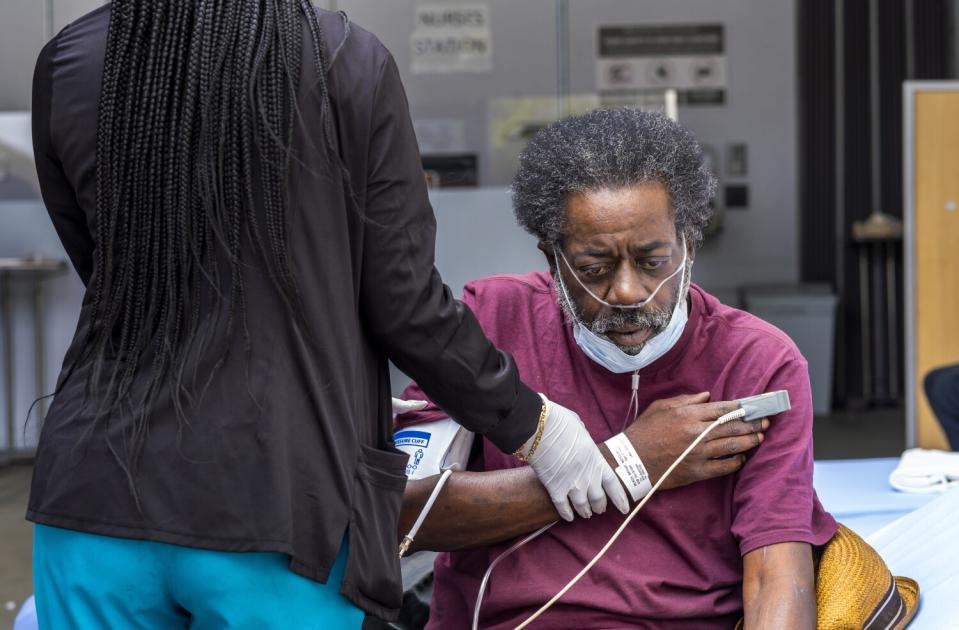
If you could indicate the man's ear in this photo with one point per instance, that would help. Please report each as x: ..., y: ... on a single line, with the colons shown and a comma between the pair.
x: 547, y: 249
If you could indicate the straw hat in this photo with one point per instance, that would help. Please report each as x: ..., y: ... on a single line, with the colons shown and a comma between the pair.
x: 855, y: 589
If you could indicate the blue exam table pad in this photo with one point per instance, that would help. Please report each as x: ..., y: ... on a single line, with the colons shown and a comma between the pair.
x: 916, y: 534
x: 858, y: 495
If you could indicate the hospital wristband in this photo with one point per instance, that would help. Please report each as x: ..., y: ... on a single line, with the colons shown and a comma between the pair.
x: 629, y: 467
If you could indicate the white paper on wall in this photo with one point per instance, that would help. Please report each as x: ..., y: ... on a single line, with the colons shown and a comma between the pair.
x: 451, y: 38
x: 440, y: 136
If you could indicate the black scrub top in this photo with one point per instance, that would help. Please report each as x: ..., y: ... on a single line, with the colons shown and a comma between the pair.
x: 291, y: 445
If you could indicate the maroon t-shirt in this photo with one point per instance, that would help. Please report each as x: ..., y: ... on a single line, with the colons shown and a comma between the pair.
x: 679, y: 564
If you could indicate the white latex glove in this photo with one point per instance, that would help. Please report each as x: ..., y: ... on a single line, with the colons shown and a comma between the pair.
x: 404, y: 406
x: 572, y: 468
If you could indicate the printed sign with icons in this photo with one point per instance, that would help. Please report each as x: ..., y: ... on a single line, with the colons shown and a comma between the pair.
x: 688, y: 58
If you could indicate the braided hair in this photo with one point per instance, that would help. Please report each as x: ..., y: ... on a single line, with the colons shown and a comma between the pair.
x: 194, y: 144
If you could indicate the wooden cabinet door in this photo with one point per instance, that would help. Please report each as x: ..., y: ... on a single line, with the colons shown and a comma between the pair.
x: 934, y: 245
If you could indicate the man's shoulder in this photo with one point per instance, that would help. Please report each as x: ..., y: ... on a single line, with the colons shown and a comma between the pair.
x: 739, y: 329
x: 508, y: 289
x: 516, y: 311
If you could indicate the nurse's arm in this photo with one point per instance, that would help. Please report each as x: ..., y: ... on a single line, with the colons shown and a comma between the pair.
x: 779, y: 589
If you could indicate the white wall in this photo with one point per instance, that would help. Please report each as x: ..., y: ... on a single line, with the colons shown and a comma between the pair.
x: 25, y: 230
x: 24, y: 227
x: 23, y: 32
x: 21, y: 38
x: 477, y: 236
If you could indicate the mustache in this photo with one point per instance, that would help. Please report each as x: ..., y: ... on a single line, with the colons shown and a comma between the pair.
x: 652, y: 318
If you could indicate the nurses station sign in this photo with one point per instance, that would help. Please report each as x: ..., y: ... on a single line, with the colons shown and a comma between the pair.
x: 452, y: 38
x: 689, y: 58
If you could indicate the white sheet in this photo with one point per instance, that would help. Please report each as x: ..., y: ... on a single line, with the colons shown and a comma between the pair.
x: 924, y: 545
x: 924, y: 471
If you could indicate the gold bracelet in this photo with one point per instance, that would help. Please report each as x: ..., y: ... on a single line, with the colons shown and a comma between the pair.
x: 539, y: 434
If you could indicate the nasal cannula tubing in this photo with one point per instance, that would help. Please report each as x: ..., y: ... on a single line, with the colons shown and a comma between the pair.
x: 637, y: 305
x: 733, y: 415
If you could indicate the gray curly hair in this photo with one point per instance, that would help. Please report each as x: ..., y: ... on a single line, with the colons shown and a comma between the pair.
x: 611, y: 148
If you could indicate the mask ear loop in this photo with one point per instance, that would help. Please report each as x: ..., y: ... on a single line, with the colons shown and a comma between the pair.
x: 642, y: 304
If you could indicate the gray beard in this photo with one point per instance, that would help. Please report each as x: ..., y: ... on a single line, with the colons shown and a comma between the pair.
x: 653, y: 319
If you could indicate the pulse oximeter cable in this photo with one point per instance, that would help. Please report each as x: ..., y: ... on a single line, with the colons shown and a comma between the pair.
x: 729, y: 417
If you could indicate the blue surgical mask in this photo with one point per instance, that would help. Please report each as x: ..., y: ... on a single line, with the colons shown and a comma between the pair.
x: 610, y: 356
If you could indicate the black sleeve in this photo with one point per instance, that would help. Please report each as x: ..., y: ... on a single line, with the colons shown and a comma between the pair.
x: 427, y: 333
x: 58, y: 195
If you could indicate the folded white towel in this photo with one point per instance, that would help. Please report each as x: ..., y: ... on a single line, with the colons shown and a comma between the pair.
x: 926, y: 471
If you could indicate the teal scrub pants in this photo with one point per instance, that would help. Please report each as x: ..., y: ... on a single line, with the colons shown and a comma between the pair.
x: 86, y: 581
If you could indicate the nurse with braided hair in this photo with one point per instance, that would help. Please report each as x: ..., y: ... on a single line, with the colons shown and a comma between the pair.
x: 238, y: 186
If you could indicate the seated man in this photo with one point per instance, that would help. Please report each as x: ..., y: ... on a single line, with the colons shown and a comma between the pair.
x: 618, y: 200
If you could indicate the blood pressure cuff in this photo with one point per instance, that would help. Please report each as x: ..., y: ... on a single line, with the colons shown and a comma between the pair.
x: 434, y: 447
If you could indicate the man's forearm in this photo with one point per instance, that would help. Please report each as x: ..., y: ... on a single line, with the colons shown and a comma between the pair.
x: 779, y: 589
x: 782, y: 604
x: 476, y: 509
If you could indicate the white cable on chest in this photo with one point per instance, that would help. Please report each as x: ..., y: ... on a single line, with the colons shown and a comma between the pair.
x: 633, y: 410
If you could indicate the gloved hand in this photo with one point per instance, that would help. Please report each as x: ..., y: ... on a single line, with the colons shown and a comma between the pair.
x: 570, y: 465
x: 404, y: 406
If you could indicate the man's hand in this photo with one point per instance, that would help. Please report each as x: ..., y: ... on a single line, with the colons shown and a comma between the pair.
x: 667, y: 427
